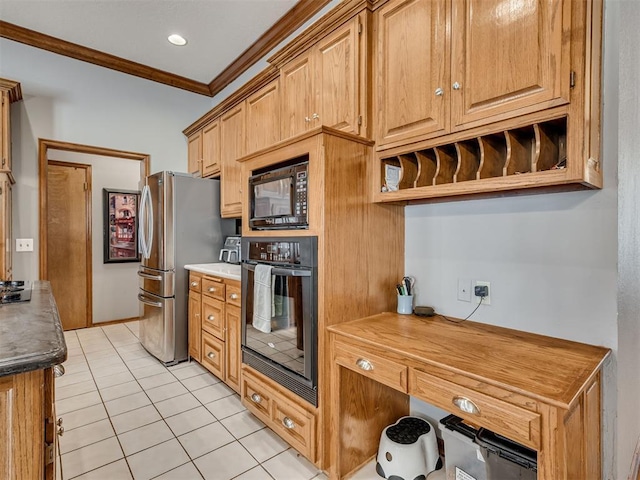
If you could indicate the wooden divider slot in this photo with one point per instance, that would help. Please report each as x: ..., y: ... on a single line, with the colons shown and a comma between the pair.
x: 447, y: 164
x: 409, y: 173
x: 493, y: 155
x: 427, y: 166
x: 551, y: 145
x: 468, y: 160
x: 521, y: 150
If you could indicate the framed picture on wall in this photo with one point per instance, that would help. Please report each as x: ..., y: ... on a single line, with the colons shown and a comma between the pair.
x: 120, y: 209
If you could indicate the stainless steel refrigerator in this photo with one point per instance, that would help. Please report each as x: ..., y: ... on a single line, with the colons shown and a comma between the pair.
x: 178, y: 224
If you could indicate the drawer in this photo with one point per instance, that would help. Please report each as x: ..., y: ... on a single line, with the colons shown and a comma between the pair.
x: 213, y: 287
x: 510, y: 420
x: 256, y: 397
x: 233, y: 295
x: 380, y: 369
x: 213, y: 355
x: 295, y: 425
x: 195, y: 282
x: 213, y: 316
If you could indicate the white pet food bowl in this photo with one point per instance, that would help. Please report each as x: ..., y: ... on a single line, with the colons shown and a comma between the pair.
x: 408, y: 450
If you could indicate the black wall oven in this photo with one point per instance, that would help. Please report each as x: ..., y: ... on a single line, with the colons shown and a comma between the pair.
x: 279, y: 311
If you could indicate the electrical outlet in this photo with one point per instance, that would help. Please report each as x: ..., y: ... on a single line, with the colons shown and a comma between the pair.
x: 464, y: 290
x: 24, y: 244
x: 486, y: 300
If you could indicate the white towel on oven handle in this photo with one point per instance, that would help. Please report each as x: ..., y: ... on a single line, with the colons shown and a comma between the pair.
x: 262, y: 298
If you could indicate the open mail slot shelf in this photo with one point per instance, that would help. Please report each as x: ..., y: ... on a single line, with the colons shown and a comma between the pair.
x: 525, y: 157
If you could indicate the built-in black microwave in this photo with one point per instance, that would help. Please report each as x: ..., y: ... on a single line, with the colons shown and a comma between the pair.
x: 278, y: 196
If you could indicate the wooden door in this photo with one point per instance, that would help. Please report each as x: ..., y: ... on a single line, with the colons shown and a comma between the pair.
x: 233, y: 353
x: 195, y: 326
x: 508, y: 61
x: 263, y: 117
x: 338, y: 79
x: 69, y: 241
x: 211, y: 149
x: 232, y: 141
x: 6, y: 237
x: 296, y: 82
x: 195, y: 152
x: 412, y: 69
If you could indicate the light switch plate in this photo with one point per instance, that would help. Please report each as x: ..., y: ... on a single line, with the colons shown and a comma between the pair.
x: 24, y: 244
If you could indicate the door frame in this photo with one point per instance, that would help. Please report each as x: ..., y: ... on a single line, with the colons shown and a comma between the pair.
x: 43, y: 147
x: 88, y: 232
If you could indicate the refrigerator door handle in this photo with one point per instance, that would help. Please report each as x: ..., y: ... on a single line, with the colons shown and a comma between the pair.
x: 146, y: 220
x: 149, y: 276
x: 146, y: 301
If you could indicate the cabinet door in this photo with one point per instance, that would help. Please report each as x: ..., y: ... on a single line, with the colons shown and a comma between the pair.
x: 232, y: 341
x: 508, y: 61
x: 212, y: 317
x: 195, y: 325
x: 337, y: 66
x: 263, y: 117
x: 195, y: 152
x: 211, y: 149
x: 232, y: 133
x: 412, y: 69
x: 5, y: 228
x: 296, y: 81
x: 5, y: 133
x: 213, y: 355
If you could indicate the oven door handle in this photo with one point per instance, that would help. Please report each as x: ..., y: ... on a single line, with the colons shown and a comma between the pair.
x: 285, y: 272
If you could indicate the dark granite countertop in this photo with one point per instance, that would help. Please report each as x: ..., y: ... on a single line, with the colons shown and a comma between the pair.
x: 31, y: 336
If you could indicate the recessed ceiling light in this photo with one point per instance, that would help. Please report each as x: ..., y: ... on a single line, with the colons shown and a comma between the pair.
x: 176, y: 39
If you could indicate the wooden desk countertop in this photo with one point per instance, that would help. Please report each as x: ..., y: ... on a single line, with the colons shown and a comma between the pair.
x: 545, y: 368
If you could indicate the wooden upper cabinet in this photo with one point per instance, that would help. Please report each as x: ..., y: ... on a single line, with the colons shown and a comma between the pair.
x: 296, y: 81
x: 263, y: 117
x: 195, y: 152
x: 412, y: 71
x: 232, y: 147
x: 337, y: 69
x: 508, y: 61
x: 211, y: 149
x: 5, y: 134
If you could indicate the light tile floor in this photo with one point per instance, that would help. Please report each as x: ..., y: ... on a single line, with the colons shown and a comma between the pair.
x: 126, y: 416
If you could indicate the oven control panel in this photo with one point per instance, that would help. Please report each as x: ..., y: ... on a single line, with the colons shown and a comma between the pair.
x: 276, y: 251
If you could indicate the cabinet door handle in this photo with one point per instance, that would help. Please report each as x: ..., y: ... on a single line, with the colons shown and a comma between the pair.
x: 307, y: 119
x: 233, y: 296
x: 60, y: 431
x: 58, y: 371
x: 439, y: 92
x: 456, y: 86
x: 211, y: 318
x: 194, y: 284
x: 211, y: 355
x: 59, y: 422
x: 364, y: 364
x: 466, y: 405
x: 288, y: 423
x: 315, y: 116
x: 255, y: 398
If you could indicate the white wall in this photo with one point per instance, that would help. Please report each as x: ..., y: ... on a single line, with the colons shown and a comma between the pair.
x: 72, y: 101
x: 115, y: 285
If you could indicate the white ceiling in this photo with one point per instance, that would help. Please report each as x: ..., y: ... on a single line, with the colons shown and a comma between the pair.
x: 218, y: 31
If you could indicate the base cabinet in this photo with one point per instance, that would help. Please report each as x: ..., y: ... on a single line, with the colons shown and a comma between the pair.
x: 291, y: 418
x: 28, y: 430
x: 214, y: 326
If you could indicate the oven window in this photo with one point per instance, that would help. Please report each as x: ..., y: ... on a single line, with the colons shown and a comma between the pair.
x: 283, y: 342
x: 272, y: 198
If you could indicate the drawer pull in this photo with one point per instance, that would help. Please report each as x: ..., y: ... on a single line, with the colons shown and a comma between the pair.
x: 233, y: 296
x: 255, y: 398
x: 59, y: 422
x: 194, y: 284
x: 211, y: 318
x: 288, y: 423
x: 466, y: 405
x: 365, y: 365
x: 58, y: 371
x: 211, y: 355
x: 212, y: 289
